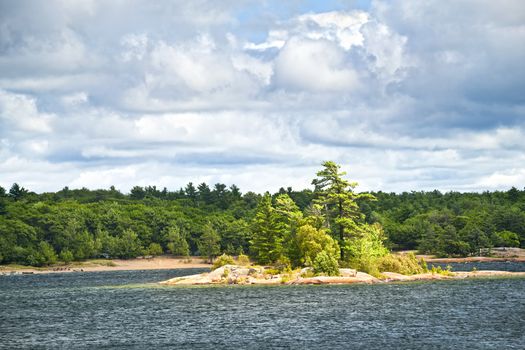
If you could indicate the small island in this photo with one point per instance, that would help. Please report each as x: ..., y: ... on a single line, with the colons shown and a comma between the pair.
x: 242, y: 275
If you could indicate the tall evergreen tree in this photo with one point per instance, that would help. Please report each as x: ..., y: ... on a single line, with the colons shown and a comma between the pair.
x: 266, y: 245
x: 339, y: 200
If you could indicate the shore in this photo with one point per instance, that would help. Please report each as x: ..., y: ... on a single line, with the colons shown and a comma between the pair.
x: 170, y: 262
x: 497, y: 255
x: 249, y: 275
x: 155, y: 263
x: 473, y: 259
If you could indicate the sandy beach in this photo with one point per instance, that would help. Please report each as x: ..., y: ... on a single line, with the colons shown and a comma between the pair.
x: 156, y: 263
x: 170, y: 262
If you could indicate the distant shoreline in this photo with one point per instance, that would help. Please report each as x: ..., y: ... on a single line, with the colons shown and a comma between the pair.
x: 473, y: 259
x: 98, y: 265
x: 167, y: 262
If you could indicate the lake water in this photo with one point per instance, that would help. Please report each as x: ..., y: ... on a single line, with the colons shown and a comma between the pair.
x: 116, y: 310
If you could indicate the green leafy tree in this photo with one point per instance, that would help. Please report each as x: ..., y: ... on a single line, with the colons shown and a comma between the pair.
x: 506, y: 239
x: 326, y: 264
x: 312, y: 241
x: 154, y: 249
x: 365, y: 251
x: 209, y: 243
x: 66, y: 256
x: 177, y: 244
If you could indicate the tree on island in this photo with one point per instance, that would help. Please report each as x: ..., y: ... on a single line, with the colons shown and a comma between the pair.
x: 266, y: 245
x: 281, y: 232
x: 339, y: 201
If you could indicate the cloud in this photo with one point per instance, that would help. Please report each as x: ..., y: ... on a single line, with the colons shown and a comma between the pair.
x: 313, y: 66
x: 407, y: 95
x: 19, y: 113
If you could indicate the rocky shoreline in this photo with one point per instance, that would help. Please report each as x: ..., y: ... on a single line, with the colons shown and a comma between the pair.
x: 242, y: 275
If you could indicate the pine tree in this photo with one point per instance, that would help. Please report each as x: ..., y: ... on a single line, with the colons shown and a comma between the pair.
x: 266, y: 245
x: 338, y: 198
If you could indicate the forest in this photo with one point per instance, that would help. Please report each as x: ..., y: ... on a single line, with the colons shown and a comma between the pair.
x: 331, y: 223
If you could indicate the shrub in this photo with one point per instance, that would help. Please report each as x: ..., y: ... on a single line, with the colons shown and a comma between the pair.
x: 311, y: 241
x: 366, y: 264
x: 438, y: 270
x: 243, y: 260
x: 308, y: 272
x: 403, y: 264
x: 285, y: 278
x: 283, y: 264
x: 223, y: 260
x: 154, y: 249
x: 66, y: 256
x: 325, y: 264
x: 364, y: 251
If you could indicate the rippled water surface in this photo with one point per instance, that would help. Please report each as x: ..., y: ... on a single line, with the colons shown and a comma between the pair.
x: 106, y: 310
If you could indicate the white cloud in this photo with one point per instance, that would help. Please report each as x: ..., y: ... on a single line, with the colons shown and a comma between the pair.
x: 407, y: 95
x: 20, y: 113
x: 503, y: 179
x: 341, y: 27
x: 313, y: 65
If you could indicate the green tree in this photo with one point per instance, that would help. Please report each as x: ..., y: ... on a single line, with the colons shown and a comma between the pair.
x: 506, y: 239
x: 128, y: 246
x: 177, y: 244
x: 209, y: 243
x: 288, y: 217
x: 154, y: 249
x: 66, y: 256
x: 266, y: 244
x: 17, y: 192
x: 364, y: 251
x: 312, y: 241
x: 336, y: 195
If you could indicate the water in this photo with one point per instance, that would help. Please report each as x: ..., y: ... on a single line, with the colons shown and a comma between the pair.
x: 110, y: 310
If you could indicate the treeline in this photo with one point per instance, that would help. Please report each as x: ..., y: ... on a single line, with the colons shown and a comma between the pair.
x: 330, y: 221
x: 450, y: 224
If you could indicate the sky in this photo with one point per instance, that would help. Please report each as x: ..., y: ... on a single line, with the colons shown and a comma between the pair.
x: 404, y: 94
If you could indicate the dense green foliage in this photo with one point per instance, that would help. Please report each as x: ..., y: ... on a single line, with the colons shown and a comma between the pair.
x: 406, y: 264
x: 450, y: 224
x: 292, y: 227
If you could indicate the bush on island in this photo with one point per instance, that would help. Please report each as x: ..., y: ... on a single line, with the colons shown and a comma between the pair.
x: 325, y: 264
x: 222, y: 260
x: 243, y: 260
x: 406, y: 264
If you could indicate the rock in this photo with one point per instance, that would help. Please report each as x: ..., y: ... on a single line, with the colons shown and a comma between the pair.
x: 348, y: 272
x: 232, y: 274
